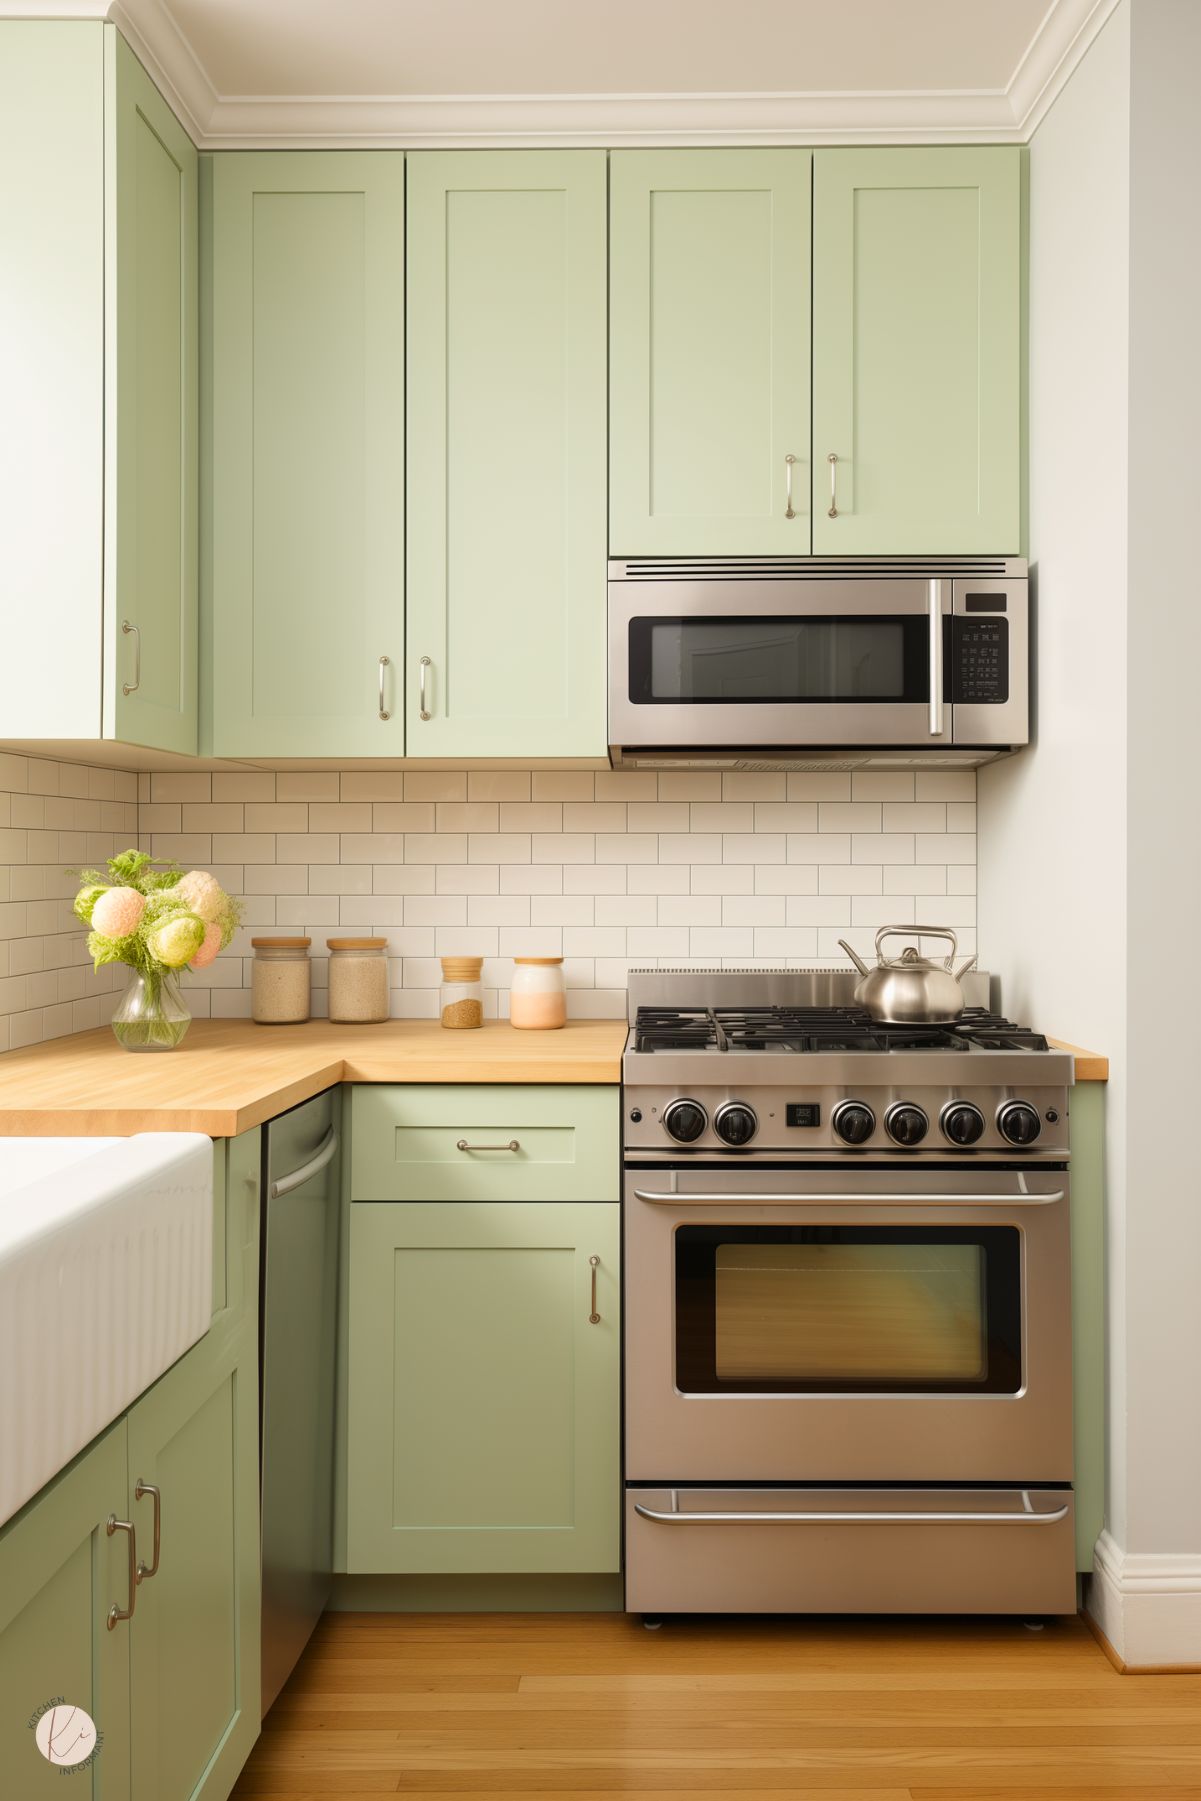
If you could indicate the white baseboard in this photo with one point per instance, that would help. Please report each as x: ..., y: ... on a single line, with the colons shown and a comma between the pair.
x: 1147, y: 1604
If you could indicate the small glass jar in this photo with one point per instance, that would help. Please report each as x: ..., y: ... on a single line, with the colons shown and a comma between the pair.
x: 279, y: 984
x: 538, y: 997
x: 461, y: 1001
x: 358, y: 979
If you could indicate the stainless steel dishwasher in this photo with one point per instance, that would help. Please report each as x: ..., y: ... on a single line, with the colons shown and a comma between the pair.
x: 299, y: 1301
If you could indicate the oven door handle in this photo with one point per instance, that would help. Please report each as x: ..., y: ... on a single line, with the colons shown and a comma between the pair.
x: 849, y: 1200
x: 1031, y: 1517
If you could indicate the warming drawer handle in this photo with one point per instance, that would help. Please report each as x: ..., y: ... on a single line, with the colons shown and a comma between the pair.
x: 1029, y: 1518
x: 851, y: 1200
x: 298, y: 1177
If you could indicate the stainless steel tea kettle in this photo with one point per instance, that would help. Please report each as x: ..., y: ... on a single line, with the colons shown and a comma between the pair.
x: 911, y: 990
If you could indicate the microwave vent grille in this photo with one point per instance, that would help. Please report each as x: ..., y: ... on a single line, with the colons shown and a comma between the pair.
x: 683, y: 569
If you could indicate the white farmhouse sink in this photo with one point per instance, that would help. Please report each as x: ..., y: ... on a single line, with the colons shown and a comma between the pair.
x: 106, y: 1278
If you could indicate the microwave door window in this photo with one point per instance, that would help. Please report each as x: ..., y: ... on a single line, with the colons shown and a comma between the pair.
x: 774, y: 661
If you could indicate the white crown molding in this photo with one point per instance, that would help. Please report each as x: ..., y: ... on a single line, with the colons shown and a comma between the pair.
x: 1148, y: 1604
x: 246, y: 121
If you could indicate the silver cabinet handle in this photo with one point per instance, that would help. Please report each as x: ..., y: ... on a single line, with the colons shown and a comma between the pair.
x: 514, y: 1144
x: 833, y: 462
x: 594, y: 1316
x: 1030, y: 1518
x: 145, y: 1571
x: 116, y: 1613
x: 850, y: 1200
x: 422, y: 666
x: 383, y: 710
x: 935, y: 596
x: 325, y: 1153
x: 789, y: 509
x: 127, y: 629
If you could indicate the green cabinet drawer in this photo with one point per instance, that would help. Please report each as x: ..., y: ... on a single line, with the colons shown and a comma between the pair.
x: 484, y: 1389
x: 452, y: 1143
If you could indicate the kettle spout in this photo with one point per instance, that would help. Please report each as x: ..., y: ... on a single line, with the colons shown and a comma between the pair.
x: 860, y: 965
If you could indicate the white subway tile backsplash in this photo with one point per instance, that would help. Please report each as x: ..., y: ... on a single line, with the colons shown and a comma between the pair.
x: 607, y: 868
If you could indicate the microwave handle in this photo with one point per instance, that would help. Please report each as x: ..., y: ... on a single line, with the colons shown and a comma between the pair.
x: 849, y: 1200
x: 935, y: 588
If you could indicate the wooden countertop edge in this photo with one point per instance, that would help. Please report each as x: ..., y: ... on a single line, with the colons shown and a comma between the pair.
x: 1090, y: 1065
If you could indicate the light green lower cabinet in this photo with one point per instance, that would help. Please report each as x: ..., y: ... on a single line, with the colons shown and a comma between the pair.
x: 484, y: 1400
x: 60, y: 1572
x: 194, y: 1639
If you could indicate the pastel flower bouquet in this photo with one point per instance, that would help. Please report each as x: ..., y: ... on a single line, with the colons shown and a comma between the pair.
x: 160, y: 921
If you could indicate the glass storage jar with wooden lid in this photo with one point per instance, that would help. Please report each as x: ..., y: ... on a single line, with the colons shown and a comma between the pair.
x: 358, y: 979
x: 538, y: 997
x: 280, y: 981
x: 461, y: 1001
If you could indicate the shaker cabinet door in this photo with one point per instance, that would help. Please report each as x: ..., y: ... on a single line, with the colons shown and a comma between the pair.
x: 484, y: 1398
x: 917, y: 378
x: 60, y: 1573
x: 151, y: 414
x: 506, y: 431
x: 305, y: 467
x: 194, y: 1644
x: 709, y: 353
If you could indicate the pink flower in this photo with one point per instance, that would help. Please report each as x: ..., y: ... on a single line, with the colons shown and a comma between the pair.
x: 118, y: 912
x: 201, y: 893
x: 208, y: 950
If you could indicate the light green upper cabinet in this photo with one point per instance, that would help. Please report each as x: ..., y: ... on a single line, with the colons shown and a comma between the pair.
x: 917, y: 383
x: 506, y: 426
x: 98, y: 373
x: 709, y: 348
x: 304, y: 464
x: 151, y: 413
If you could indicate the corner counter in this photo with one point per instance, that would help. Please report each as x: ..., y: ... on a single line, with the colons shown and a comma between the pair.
x: 231, y: 1075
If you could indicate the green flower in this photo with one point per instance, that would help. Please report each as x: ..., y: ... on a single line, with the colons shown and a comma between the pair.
x: 176, y: 939
x: 86, y: 899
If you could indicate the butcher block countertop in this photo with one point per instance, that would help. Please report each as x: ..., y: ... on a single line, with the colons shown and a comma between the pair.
x: 229, y: 1075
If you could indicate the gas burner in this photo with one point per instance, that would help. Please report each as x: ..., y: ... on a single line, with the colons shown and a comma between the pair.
x: 813, y: 1030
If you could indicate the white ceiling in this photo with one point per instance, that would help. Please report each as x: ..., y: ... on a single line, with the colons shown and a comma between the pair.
x: 602, y: 71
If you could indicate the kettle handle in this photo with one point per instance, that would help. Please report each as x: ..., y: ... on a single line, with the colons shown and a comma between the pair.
x: 917, y: 932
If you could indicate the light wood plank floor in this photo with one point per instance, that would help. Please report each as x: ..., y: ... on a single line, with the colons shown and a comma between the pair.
x: 554, y: 1706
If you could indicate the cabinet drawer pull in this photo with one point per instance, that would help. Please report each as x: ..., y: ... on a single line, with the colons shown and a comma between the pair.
x: 594, y: 1316
x: 127, y: 629
x: 833, y: 462
x: 145, y: 1571
x: 423, y: 665
x: 789, y: 509
x: 514, y: 1144
x: 116, y: 1613
x: 383, y: 710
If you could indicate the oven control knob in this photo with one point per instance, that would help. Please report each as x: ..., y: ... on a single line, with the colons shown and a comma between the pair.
x: 906, y: 1123
x: 685, y: 1120
x: 854, y: 1121
x: 962, y: 1123
x: 735, y: 1123
x: 1018, y: 1122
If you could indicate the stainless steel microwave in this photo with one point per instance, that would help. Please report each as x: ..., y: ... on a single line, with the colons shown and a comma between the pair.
x: 790, y: 664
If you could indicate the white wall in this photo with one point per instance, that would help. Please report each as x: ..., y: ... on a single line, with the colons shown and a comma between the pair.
x: 1053, y: 820
x: 1089, y: 859
x: 1163, y: 1211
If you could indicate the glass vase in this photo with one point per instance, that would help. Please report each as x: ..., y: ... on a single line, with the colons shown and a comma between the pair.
x: 151, y: 1015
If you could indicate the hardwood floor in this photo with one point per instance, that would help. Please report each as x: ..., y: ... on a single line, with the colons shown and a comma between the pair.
x: 559, y: 1705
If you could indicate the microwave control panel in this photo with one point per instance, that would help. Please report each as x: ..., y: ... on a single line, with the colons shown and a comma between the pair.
x: 980, y: 661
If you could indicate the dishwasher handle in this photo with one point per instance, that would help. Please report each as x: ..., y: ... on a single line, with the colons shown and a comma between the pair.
x: 298, y: 1177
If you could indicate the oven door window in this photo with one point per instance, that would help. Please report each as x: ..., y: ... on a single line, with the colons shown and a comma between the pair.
x: 804, y: 659
x: 848, y: 1310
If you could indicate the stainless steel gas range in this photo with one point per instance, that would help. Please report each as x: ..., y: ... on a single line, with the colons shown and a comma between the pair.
x: 848, y: 1330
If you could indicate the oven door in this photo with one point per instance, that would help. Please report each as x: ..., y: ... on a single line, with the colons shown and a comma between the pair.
x: 870, y: 1325
x: 729, y: 663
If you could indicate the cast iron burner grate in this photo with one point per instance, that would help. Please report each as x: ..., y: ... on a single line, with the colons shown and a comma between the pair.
x: 811, y: 1030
